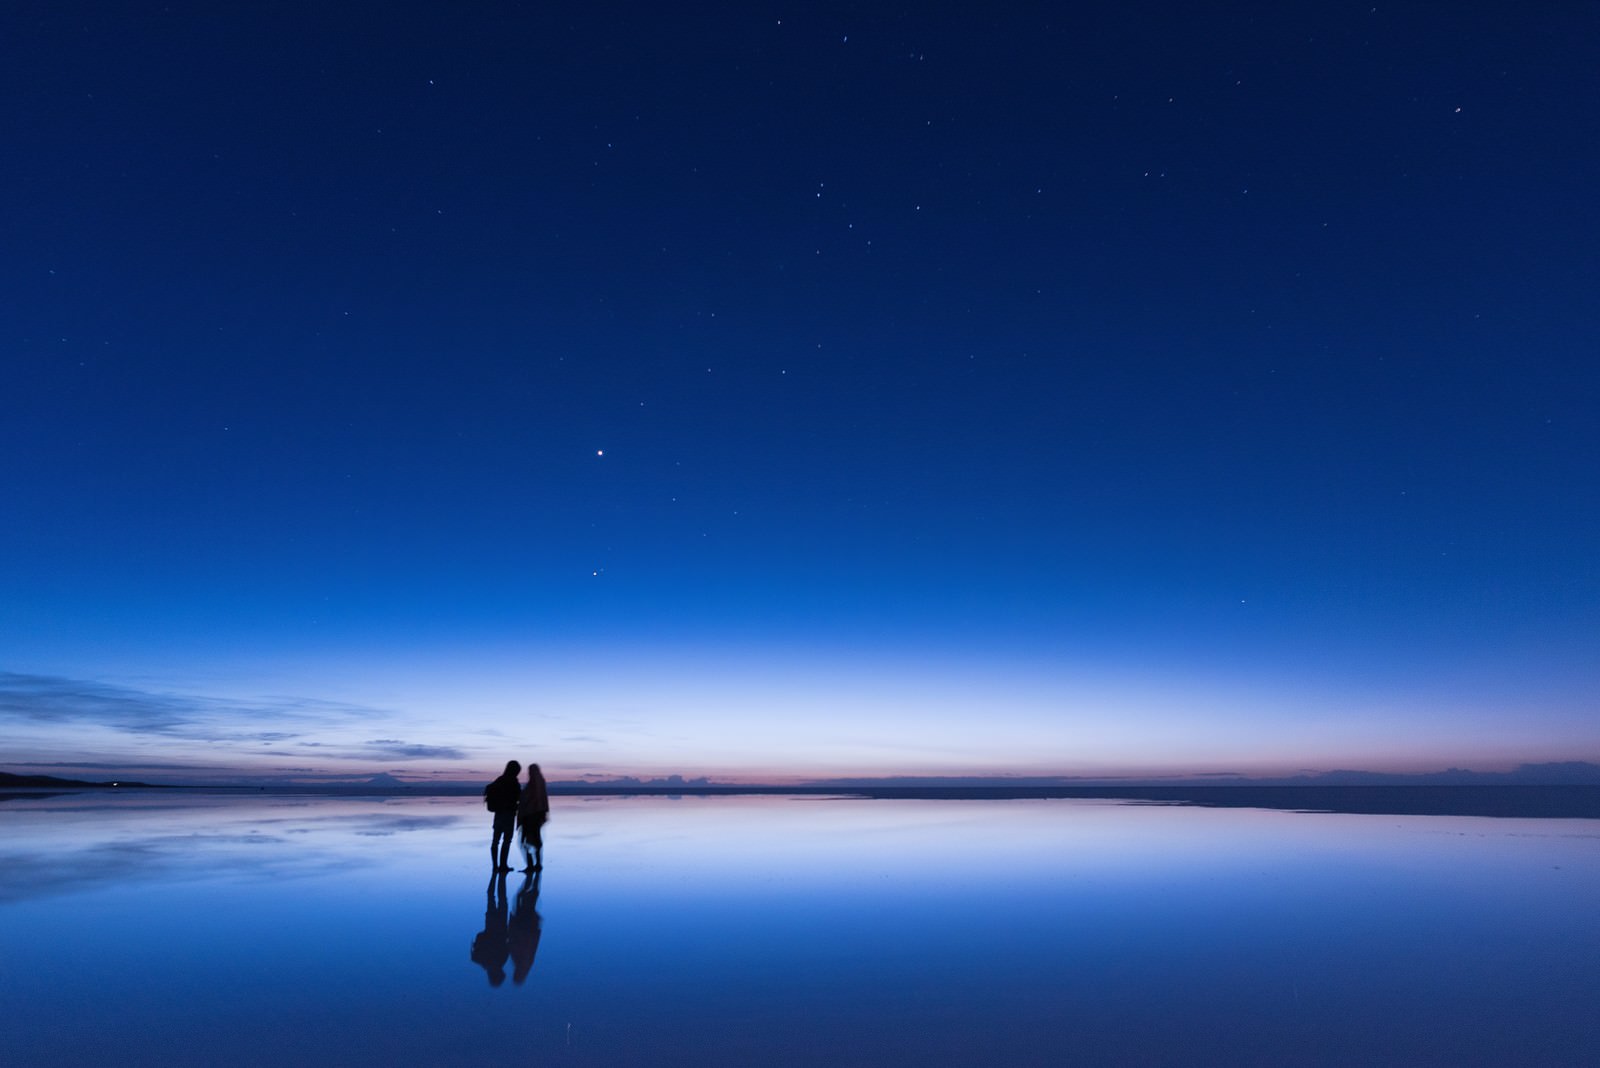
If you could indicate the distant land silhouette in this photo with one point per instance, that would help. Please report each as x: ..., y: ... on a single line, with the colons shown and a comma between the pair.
x: 50, y: 781
x: 1559, y: 773
x: 1567, y: 789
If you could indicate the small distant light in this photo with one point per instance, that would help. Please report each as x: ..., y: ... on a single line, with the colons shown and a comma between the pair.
x: 599, y: 452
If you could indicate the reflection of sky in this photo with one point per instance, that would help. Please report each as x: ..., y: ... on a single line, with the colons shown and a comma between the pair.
x: 783, y: 931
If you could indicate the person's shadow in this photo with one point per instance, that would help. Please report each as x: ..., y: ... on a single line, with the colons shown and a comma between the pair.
x: 492, y: 946
x: 523, y: 936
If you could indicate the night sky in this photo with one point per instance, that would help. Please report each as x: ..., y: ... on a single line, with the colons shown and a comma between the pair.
x: 801, y: 390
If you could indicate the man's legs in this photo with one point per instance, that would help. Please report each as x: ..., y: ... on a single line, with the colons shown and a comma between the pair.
x: 505, y: 825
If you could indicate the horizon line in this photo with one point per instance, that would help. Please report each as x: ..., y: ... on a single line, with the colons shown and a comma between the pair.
x: 1553, y: 773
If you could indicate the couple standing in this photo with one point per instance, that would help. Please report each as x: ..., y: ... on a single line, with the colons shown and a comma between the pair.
x: 514, y: 806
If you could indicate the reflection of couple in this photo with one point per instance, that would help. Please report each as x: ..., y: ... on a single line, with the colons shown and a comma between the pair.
x: 516, y: 806
x: 516, y: 937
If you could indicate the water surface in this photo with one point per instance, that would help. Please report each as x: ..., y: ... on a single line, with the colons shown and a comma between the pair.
x: 159, y: 928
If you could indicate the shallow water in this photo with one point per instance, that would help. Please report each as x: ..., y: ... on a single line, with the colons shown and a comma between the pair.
x: 160, y: 929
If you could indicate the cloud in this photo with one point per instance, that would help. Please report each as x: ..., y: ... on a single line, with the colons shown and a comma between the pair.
x: 287, y: 729
x: 55, y: 700
x: 403, y: 750
x: 381, y: 748
x: 48, y: 699
x: 142, y: 765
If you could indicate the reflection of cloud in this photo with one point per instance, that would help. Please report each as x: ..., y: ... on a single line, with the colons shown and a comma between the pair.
x: 51, y: 699
x: 373, y: 825
x: 29, y: 875
x: 384, y: 828
x: 196, y: 838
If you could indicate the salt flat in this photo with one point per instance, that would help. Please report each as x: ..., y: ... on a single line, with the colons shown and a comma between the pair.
x: 163, y: 928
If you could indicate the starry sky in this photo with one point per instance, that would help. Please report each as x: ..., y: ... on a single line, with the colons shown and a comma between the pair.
x: 773, y: 391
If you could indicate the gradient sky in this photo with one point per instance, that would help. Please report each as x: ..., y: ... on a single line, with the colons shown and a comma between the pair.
x: 771, y: 391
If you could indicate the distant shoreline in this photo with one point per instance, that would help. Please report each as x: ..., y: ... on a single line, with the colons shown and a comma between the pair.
x: 1503, y: 801
x: 1545, y: 802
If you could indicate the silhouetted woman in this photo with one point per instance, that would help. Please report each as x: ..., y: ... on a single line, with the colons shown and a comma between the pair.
x: 532, y: 810
x: 522, y: 934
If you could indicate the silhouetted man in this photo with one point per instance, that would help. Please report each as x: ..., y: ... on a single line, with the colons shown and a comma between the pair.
x: 502, y: 796
x: 492, y: 946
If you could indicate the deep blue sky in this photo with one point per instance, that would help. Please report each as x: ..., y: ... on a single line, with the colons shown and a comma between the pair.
x: 745, y: 388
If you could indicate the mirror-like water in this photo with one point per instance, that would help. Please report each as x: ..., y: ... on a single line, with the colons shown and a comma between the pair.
x: 190, y: 929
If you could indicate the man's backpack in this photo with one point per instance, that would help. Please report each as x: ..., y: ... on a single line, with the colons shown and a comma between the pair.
x: 500, y: 795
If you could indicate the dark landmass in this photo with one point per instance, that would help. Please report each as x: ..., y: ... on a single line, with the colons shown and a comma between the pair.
x: 1452, y: 793
x: 1549, y: 802
x: 7, y: 779
x: 1555, y: 773
x: 1544, y: 802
